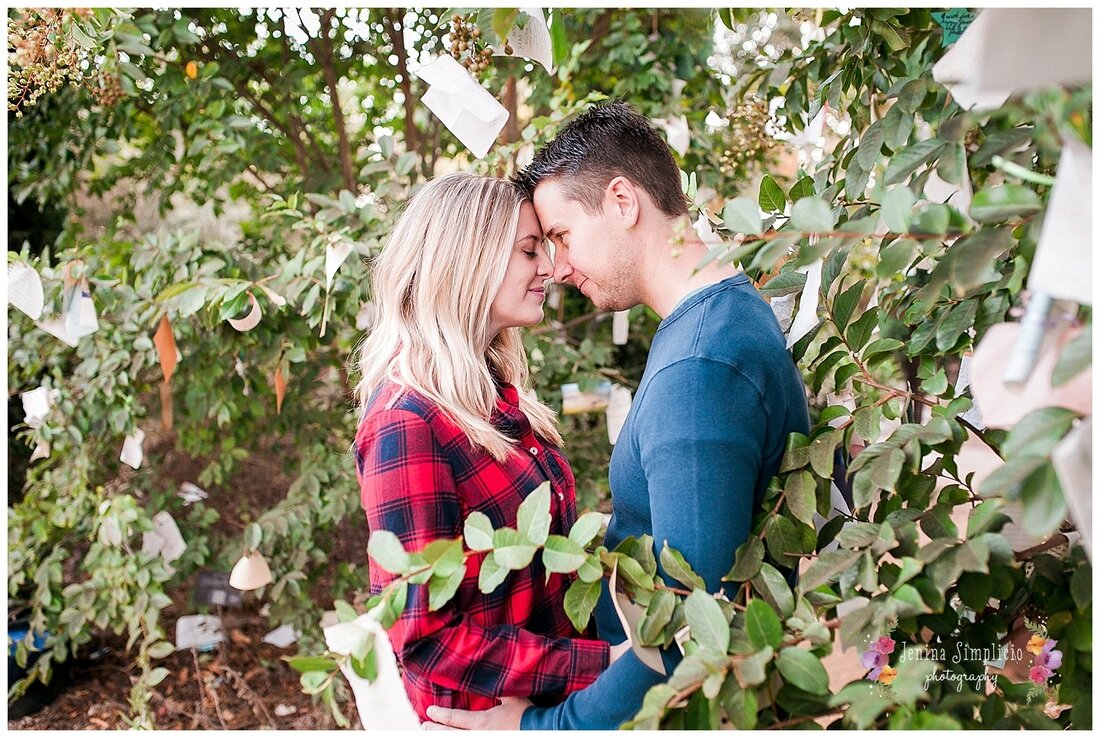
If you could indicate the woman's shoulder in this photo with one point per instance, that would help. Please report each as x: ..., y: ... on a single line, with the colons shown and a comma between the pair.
x: 391, y: 399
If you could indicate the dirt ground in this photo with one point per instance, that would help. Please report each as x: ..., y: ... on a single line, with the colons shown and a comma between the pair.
x: 244, y: 684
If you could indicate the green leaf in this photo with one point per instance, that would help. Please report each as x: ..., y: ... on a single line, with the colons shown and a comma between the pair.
x: 959, y: 320
x: 586, y: 528
x: 896, y: 127
x: 870, y: 146
x: 968, y: 263
x: 562, y: 555
x: 906, y: 161
x: 512, y: 550
x: 859, y: 332
x: 740, y: 705
x: 311, y: 663
x: 886, y: 469
x: 812, y: 215
x: 897, y: 209
x: 1038, y: 432
x: 658, y: 615
x: 741, y: 215
x: 445, y: 556
x: 558, y: 39
x: 386, y: 549
x: 492, y: 574
x: 771, y: 199
x: 784, y: 283
x: 156, y: 676
x: 533, y: 517
x: 632, y: 571
x: 952, y: 164
x: 801, y: 496
x: 747, y: 560
x: 996, y: 204
x: 803, y: 669
x: 679, y: 569
x: 160, y: 649
x: 773, y: 587
x: 915, y: 668
x: 762, y: 625
x: 1075, y: 358
x: 986, y: 517
x: 822, y: 453
x: 708, y: 624
x: 478, y: 532
x: 802, y: 188
x: 889, y: 34
x: 442, y: 588
x: 591, y: 570
x: 580, y: 600
x: 81, y: 36
x: 751, y: 671
x: 846, y: 303
x: 313, y: 681
x: 503, y: 20
x: 827, y: 567
x: 1044, y: 502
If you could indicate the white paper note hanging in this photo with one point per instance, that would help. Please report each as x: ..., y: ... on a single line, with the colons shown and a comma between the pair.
x: 282, y: 637
x: 36, y: 405
x: 190, y: 493
x: 41, y: 451
x: 25, y: 289
x: 806, y: 317
x: 618, y: 406
x: 678, y: 134
x: 1063, y: 258
x: 1072, y: 459
x: 629, y: 614
x: 532, y: 41
x: 132, y: 453
x: 201, y: 632
x: 383, y: 704
x: 336, y: 252
x: 467, y: 109
x: 620, y: 327
x: 164, y: 538
x: 56, y: 327
x: 249, y: 321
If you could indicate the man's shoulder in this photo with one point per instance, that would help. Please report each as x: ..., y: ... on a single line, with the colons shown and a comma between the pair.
x: 729, y: 324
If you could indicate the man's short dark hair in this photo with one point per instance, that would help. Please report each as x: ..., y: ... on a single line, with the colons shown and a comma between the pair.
x: 607, y: 141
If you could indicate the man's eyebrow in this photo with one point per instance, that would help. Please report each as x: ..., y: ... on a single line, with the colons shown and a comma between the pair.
x: 553, y: 231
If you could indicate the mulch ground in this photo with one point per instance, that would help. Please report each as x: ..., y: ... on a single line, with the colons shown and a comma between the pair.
x: 244, y: 684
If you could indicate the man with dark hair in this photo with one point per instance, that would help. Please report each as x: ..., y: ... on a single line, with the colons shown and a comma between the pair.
x: 718, y: 398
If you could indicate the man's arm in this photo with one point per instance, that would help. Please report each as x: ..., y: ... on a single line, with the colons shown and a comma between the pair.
x: 700, y: 437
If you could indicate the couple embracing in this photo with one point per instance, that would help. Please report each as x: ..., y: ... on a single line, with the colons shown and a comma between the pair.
x: 449, y: 425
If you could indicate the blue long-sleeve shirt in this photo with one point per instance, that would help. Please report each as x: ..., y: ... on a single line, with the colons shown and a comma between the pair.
x: 706, y: 433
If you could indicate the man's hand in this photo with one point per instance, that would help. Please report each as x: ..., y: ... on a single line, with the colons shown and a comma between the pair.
x: 504, y: 716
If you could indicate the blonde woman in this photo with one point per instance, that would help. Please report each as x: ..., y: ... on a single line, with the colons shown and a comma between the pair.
x: 448, y: 427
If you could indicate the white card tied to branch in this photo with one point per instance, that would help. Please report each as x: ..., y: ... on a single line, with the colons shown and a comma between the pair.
x: 132, y: 453
x: 382, y: 703
x: 806, y: 318
x: 25, y: 289
x: 164, y: 538
x: 251, y: 320
x: 1063, y: 258
x: 532, y: 41
x: 37, y: 404
x: 467, y: 109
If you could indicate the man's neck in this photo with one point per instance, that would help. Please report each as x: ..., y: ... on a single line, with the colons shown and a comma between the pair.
x: 672, y: 274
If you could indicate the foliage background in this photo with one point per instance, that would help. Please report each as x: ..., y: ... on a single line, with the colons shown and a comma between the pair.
x: 302, y: 137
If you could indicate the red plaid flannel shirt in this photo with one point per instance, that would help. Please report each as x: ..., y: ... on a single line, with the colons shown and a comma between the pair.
x: 419, y: 478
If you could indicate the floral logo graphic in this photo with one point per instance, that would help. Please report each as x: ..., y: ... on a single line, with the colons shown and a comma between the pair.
x: 877, y: 659
x: 1047, y: 659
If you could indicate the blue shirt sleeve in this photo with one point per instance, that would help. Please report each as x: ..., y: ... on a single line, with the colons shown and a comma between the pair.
x: 700, y: 440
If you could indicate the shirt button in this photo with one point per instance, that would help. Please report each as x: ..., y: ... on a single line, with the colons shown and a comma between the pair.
x: 534, y: 450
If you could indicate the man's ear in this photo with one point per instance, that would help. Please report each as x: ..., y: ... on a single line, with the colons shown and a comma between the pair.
x: 622, y: 199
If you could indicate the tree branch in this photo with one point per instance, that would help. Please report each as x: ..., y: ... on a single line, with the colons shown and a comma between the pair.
x: 391, y: 21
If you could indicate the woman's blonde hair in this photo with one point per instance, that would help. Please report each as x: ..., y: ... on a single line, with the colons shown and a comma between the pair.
x: 433, y: 286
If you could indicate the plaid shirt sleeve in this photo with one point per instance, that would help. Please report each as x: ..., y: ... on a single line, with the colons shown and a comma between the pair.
x: 408, y: 487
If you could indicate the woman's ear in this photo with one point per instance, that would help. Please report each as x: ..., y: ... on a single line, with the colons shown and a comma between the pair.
x: 622, y: 200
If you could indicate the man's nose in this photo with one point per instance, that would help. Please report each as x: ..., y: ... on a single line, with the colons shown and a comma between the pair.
x: 563, y: 270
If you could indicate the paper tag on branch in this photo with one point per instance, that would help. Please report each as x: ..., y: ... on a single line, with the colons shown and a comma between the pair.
x: 532, y: 41
x: 166, y: 348
x: 335, y: 254
x: 201, y: 632
x: 618, y: 406
x: 37, y: 404
x: 620, y: 327
x: 41, y: 451
x: 25, y: 289
x: 278, y: 381
x: 251, y: 572
x: 79, y: 313
x: 164, y: 538
x: 677, y: 132
x: 132, y: 453
x: 382, y: 703
x: 283, y: 637
x: 467, y: 109
x: 630, y: 614
x: 1063, y: 258
x: 806, y: 318
x: 249, y: 321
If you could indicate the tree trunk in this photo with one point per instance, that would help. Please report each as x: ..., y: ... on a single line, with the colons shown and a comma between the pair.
x: 392, y: 22
x: 329, y: 67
